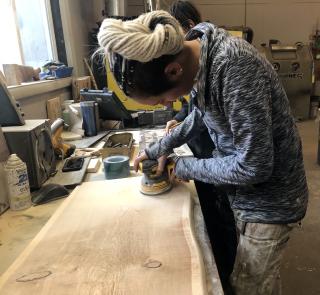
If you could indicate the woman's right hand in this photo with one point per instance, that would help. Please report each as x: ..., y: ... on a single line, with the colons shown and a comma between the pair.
x: 169, y: 125
x: 143, y: 156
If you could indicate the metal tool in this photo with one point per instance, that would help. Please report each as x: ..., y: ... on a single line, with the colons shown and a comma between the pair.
x: 151, y: 183
x: 61, y: 149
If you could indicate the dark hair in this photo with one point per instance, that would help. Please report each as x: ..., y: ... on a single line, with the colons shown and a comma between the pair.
x: 184, y: 11
x: 138, y: 79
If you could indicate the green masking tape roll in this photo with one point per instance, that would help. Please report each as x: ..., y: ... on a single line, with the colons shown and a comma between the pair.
x: 116, y: 167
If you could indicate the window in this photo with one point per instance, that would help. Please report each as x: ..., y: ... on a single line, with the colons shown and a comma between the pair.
x: 25, y: 33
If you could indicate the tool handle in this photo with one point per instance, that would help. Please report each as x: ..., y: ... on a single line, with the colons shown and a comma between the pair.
x: 170, y: 167
x: 58, y: 123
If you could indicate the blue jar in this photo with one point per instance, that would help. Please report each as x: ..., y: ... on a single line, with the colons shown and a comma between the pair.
x: 89, y: 118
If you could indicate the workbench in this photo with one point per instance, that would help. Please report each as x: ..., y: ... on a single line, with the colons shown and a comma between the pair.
x: 18, y: 228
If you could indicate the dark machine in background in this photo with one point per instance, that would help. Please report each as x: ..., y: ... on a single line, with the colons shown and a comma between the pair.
x: 96, y: 60
x: 10, y: 111
x: 110, y: 107
x: 32, y: 143
x: 29, y: 139
x: 294, y: 65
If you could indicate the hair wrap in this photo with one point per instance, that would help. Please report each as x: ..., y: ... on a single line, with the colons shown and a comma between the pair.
x: 143, y: 39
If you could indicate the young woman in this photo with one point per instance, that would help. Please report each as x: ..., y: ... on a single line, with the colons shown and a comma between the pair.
x: 240, y: 100
x: 215, y: 205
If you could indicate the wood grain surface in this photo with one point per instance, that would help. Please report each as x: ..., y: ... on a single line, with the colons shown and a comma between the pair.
x: 78, y: 84
x: 18, y: 229
x: 54, y: 109
x: 107, y: 238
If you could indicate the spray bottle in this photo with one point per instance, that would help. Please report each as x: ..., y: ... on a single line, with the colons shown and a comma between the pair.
x: 18, y: 183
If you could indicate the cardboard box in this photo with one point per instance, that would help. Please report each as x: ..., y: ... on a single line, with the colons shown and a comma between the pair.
x: 78, y: 84
x: 117, y: 144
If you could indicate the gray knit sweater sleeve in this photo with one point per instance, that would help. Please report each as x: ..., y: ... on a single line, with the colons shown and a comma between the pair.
x: 247, y: 105
x: 248, y: 108
x: 189, y: 128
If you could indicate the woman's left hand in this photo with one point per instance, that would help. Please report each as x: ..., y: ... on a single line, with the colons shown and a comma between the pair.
x: 162, y: 161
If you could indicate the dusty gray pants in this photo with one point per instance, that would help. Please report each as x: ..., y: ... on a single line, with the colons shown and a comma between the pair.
x: 259, y: 254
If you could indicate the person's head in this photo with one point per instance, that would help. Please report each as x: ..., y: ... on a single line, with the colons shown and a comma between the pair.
x: 147, y: 56
x: 186, y: 13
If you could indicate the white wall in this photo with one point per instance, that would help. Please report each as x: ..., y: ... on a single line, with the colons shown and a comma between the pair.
x: 286, y: 20
x: 78, y: 18
x: 94, y: 9
x: 35, y: 107
x: 134, y: 7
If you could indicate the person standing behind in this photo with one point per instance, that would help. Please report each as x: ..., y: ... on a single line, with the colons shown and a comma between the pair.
x: 188, y: 16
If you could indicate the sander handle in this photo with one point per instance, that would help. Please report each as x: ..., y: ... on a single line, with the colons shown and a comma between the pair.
x: 149, y: 167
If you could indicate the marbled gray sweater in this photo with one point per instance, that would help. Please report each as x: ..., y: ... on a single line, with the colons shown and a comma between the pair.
x: 258, y: 156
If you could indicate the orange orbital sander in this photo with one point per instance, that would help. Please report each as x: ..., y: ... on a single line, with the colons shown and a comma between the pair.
x: 151, y: 183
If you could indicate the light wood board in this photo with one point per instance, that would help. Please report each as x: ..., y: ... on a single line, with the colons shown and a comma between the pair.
x: 18, y: 228
x: 17, y: 74
x: 93, y: 80
x: 93, y: 165
x: 78, y: 84
x: 54, y: 109
x: 107, y: 238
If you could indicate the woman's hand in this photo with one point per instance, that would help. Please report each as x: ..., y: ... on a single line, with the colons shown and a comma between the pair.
x: 143, y: 156
x: 172, y: 175
x: 140, y: 158
x: 169, y: 125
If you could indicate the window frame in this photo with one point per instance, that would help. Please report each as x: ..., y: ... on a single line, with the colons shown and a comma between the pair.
x: 47, y: 20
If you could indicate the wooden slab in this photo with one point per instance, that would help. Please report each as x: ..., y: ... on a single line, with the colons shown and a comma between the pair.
x: 78, y: 84
x: 107, y: 238
x: 18, y: 228
x: 12, y: 74
x: 54, y: 109
x: 94, y: 165
x: 17, y: 74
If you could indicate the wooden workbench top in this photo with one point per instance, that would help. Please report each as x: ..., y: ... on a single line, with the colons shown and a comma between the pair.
x: 107, y: 237
x: 17, y: 229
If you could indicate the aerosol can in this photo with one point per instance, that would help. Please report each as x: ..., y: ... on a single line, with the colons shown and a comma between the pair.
x: 18, y: 183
